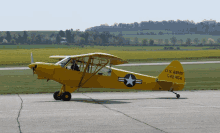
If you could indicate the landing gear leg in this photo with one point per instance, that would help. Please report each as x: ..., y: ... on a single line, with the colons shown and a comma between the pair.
x: 177, y: 95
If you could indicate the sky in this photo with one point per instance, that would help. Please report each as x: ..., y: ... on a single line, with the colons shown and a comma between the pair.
x: 20, y: 15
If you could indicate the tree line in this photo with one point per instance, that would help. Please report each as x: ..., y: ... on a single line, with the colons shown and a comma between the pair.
x: 177, y: 27
x: 94, y: 38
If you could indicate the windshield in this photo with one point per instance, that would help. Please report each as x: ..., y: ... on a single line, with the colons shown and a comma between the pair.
x: 63, y: 62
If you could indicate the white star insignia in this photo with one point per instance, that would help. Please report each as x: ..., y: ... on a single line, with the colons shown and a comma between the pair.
x: 130, y: 81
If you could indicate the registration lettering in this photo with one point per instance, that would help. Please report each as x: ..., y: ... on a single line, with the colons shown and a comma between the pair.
x: 174, y: 77
x: 174, y: 72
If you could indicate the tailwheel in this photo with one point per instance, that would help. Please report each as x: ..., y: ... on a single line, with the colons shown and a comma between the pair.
x: 55, y: 95
x: 66, y: 96
x: 177, y: 95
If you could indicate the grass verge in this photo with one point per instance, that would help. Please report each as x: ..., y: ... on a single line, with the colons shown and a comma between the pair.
x: 198, y: 77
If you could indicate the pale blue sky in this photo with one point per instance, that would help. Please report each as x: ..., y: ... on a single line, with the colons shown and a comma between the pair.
x: 19, y: 15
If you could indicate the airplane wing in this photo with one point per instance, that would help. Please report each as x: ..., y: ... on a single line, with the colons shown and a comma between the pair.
x: 114, y: 60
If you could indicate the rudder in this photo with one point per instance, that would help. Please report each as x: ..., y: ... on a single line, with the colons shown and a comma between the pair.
x: 173, y: 73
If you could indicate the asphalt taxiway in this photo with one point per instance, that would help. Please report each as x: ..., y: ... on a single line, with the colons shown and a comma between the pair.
x: 118, y: 112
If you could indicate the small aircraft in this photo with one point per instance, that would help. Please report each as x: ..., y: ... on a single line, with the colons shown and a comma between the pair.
x: 94, y: 70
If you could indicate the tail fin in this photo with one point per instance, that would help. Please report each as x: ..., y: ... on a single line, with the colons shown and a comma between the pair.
x: 32, y: 59
x: 173, y: 73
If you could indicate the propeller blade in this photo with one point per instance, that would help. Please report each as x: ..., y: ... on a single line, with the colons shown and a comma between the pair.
x: 34, y: 69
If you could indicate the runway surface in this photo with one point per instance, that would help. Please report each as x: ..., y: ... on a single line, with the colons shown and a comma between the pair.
x: 137, y: 64
x: 122, y: 112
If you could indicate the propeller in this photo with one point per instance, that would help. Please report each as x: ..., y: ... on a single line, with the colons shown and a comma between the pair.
x: 33, y: 68
x: 32, y: 61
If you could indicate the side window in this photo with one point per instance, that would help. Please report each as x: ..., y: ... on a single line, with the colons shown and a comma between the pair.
x: 68, y: 66
x: 64, y: 61
x: 72, y: 65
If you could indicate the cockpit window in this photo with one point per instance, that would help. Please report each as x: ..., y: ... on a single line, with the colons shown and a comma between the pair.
x: 64, y: 61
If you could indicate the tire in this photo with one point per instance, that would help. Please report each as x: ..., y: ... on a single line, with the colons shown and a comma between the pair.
x: 55, y: 95
x: 178, y: 96
x: 66, y: 96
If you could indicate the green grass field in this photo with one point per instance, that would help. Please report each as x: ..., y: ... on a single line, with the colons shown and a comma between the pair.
x: 198, y: 77
x: 21, y: 56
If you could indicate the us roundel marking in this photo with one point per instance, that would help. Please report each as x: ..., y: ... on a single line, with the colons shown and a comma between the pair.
x: 129, y: 80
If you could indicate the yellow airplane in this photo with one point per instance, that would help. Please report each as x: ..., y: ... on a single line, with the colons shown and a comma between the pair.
x: 91, y: 71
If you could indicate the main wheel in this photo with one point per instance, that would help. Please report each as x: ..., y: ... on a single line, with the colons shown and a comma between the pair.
x: 177, y: 96
x: 66, y: 96
x: 55, y: 95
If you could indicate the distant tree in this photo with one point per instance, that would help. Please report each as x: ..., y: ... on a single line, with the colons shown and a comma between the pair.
x: 160, y: 41
x: 58, y: 38
x: 77, y: 39
x: 29, y: 40
x: 127, y: 41
x: 181, y: 41
x: 173, y: 40
x: 136, y: 41
x: 38, y: 39
x: 68, y: 36
x: 218, y: 40
x: 166, y: 41
x: 105, y: 35
x: 82, y: 40
x: 61, y: 33
x: 121, y: 40
x: 188, y: 41
x: 95, y: 34
x: 196, y: 41
x: 53, y: 39
x: 144, y: 42
x: 5, y: 41
x: 72, y: 37
x: 160, y: 33
x: 13, y: 41
x: 211, y: 41
x: 98, y: 41
x: 113, y: 41
x: 47, y: 39
x: 25, y: 35
x: 15, y: 36
x: 20, y: 39
x: 33, y: 37
x: 1, y: 38
x: 8, y: 36
x: 86, y: 36
x: 90, y: 39
x: 151, y: 42
x: 204, y: 40
x: 3, y: 34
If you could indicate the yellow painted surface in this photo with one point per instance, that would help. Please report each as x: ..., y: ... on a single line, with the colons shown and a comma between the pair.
x: 171, y: 77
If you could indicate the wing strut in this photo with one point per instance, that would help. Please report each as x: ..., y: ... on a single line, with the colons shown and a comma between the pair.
x: 81, y: 84
x: 87, y: 65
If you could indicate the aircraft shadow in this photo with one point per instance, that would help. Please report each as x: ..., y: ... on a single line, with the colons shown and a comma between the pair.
x: 98, y: 101
x: 94, y: 101
x: 170, y: 98
x: 150, y: 98
x: 109, y: 101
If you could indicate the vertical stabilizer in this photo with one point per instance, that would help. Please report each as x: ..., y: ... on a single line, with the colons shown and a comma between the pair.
x: 173, y: 73
x: 32, y: 59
